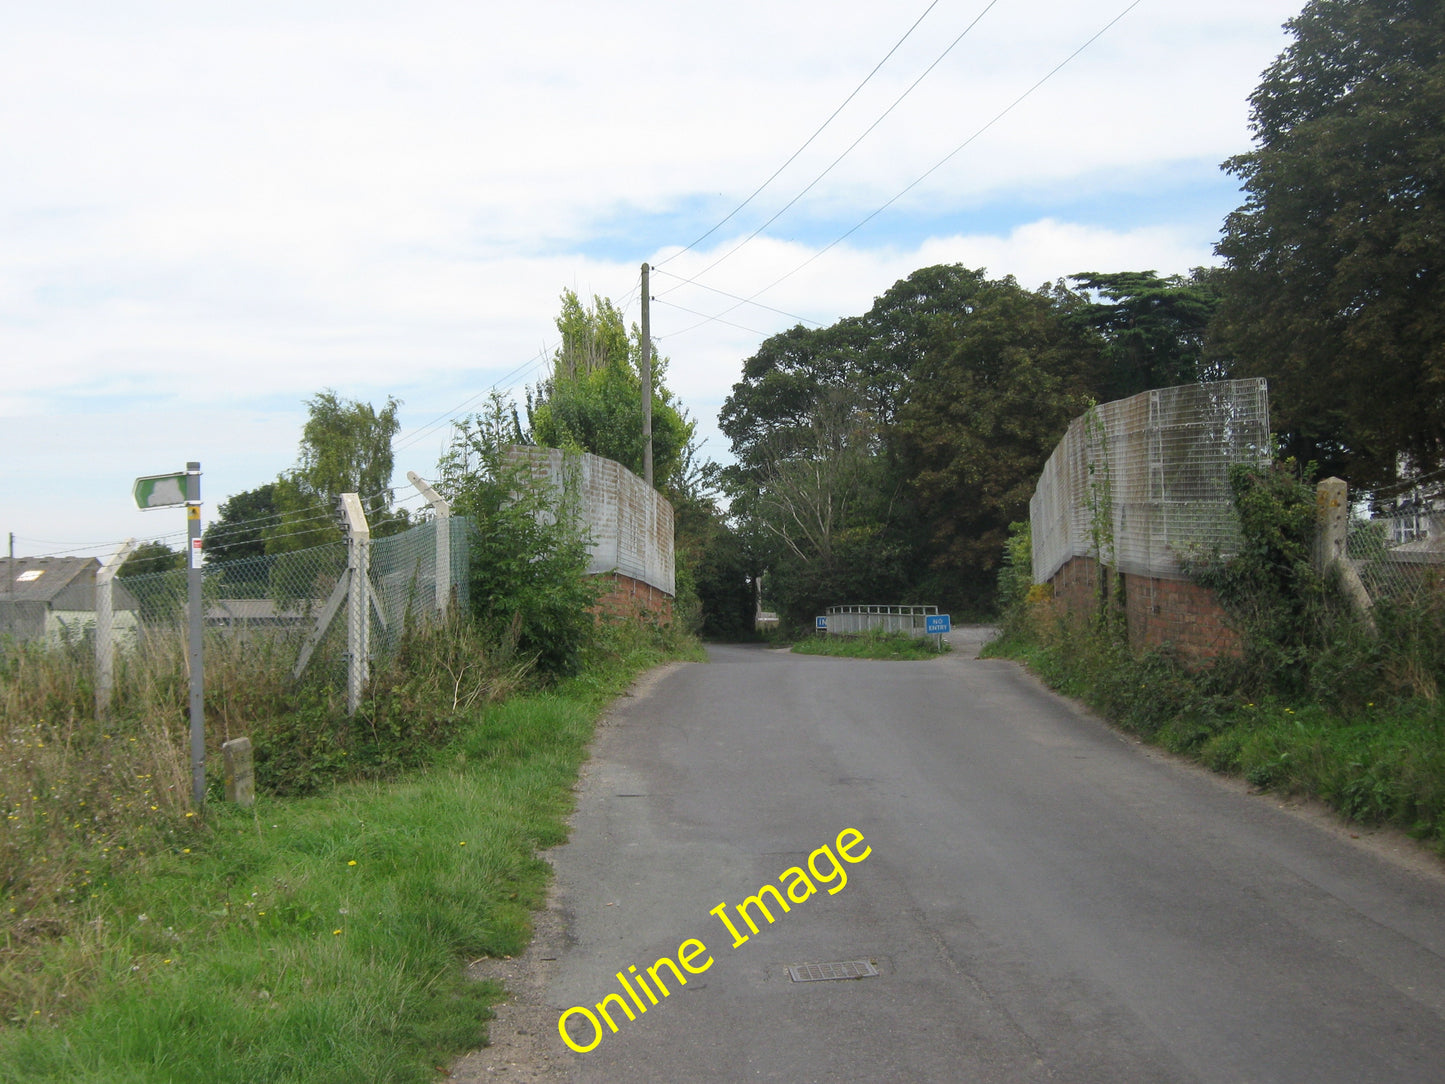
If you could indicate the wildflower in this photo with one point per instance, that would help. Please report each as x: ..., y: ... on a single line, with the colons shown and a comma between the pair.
x: 352, y: 862
x: 335, y: 933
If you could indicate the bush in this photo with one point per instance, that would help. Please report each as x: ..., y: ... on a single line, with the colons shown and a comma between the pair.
x: 528, y: 552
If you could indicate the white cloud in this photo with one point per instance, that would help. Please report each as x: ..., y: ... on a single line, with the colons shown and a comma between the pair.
x: 213, y: 214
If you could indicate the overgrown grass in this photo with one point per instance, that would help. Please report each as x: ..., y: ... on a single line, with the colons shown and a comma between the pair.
x: 316, y: 938
x: 876, y: 644
x: 1377, y: 761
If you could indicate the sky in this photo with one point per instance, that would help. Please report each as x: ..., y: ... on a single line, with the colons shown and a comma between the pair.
x: 209, y: 213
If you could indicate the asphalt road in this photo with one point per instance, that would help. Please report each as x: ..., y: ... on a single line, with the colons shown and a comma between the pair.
x: 1044, y: 899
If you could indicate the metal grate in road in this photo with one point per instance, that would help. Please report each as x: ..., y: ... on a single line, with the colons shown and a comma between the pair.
x: 843, y: 969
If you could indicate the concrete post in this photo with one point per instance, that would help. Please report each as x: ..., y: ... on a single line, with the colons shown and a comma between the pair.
x: 443, y: 512
x: 240, y: 773
x: 105, y: 626
x: 358, y: 608
x: 1332, y: 502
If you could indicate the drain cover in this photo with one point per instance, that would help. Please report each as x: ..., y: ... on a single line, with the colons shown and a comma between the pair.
x: 843, y: 969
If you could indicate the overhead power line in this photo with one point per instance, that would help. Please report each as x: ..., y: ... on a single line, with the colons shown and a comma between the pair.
x: 806, y: 143
x: 708, y: 319
x: 849, y: 149
x: 922, y: 177
x: 735, y: 297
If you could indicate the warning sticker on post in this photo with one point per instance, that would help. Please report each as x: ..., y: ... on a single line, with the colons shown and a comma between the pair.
x: 195, y: 553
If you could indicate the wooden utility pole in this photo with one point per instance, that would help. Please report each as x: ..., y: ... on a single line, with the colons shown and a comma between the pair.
x: 646, y: 377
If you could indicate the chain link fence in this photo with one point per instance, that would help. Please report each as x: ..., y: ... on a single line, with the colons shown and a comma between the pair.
x: 1142, y: 482
x: 289, y: 605
x: 405, y: 587
x: 273, y: 599
x: 1399, y: 556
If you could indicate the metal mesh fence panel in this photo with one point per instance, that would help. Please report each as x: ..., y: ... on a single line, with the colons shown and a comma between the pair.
x: 1141, y: 482
x: 854, y: 619
x: 269, y: 602
x: 404, y: 579
x: 630, y: 524
x: 1399, y: 557
x: 277, y: 603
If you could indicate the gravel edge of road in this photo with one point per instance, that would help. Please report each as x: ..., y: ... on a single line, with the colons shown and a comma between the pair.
x: 522, y: 1043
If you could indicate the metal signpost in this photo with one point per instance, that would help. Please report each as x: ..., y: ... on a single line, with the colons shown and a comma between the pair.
x: 937, y: 625
x: 172, y: 491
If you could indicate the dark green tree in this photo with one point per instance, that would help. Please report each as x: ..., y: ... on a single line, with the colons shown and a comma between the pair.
x: 1335, y: 287
x: 1152, y: 328
x: 869, y: 359
x: 152, y: 557
x: 886, y: 455
x: 160, y: 597
x: 991, y: 397
x: 239, y: 529
x: 771, y: 409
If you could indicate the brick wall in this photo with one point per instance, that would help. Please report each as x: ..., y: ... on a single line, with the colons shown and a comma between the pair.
x: 1158, y: 611
x: 1180, y: 613
x: 623, y: 596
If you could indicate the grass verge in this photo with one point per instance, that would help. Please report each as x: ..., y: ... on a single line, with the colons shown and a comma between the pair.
x: 1377, y: 762
x: 313, y: 939
x: 870, y: 645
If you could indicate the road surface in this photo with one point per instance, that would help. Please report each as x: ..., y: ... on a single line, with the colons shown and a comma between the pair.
x: 1042, y: 898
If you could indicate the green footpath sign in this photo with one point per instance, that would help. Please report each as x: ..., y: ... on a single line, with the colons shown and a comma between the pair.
x: 160, y: 490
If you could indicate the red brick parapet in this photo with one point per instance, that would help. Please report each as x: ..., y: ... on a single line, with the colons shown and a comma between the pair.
x: 1158, y: 611
x: 623, y: 596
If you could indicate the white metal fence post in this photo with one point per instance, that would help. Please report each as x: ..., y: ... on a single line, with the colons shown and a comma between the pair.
x: 105, y: 626
x: 358, y: 609
x: 443, y: 512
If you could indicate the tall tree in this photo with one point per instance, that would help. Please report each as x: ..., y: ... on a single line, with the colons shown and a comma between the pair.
x: 1336, y: 260
x: 990, y: 398
x: 870, y: 357
x: 151, y: 557
x: 887, y: 454
x: 345, y: 448
x: 592, y: 401
x: 1152, y: 328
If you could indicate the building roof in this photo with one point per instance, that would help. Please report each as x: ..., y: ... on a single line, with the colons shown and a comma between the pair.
x: 40, y: 579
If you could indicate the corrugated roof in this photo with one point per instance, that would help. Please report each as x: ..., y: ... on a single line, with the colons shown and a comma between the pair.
x: 40, y: 579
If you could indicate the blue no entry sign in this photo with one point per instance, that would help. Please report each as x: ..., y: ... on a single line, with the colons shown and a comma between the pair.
x: 936, y: 623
